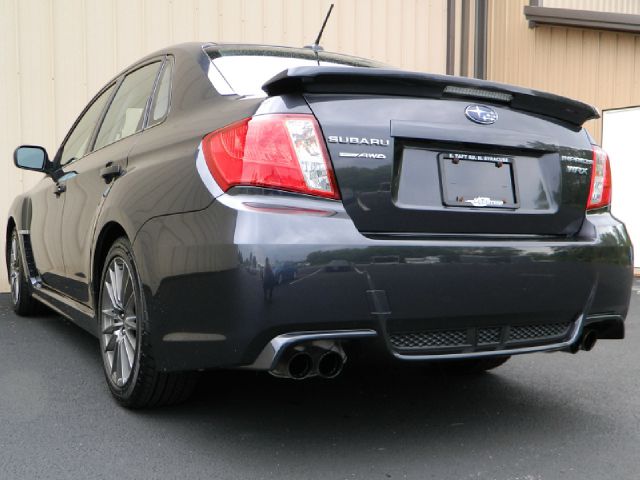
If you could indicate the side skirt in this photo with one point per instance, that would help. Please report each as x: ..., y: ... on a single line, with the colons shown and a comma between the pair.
x: 75, y: 311
x: 78, y: 313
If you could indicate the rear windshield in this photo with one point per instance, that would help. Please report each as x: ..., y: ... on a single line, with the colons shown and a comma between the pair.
x: 247, y: 67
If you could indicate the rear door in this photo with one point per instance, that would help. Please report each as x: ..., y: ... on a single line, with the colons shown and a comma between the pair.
x: 89, y: 179
x: 428, y: 166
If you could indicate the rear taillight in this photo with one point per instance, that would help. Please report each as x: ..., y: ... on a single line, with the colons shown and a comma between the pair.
x: 280, y: 151
x: 600, y: 191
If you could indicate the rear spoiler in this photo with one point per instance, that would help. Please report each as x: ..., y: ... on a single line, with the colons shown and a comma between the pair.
x: 381, y: 81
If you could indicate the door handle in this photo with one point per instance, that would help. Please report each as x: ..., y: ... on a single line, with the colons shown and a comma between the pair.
x: 111, y: 171
x: 60, y: 189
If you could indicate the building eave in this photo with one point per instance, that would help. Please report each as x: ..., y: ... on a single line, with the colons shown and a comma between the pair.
x: 618, y: 22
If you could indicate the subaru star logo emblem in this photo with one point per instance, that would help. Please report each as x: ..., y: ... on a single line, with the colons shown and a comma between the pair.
x: 481, y: 114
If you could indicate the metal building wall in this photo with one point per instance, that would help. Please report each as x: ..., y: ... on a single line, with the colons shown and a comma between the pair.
x: 598, y: 67
x: 57, y: 53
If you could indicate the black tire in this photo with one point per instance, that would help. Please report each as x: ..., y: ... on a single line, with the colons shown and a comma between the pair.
x: 21, y: 299
x: 144, y: 386
x: 472, y: 366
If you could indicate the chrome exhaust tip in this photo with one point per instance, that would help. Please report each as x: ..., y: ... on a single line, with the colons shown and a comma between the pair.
x: 300, y: 365
x: 330, y: 364
x: 294, y: 363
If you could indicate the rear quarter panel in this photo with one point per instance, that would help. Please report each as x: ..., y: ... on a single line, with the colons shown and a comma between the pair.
x: 161, y: 177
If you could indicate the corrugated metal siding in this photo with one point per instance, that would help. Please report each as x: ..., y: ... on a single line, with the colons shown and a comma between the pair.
x: 57, y: 53
x: 613, y: 6
x: 601, y: 68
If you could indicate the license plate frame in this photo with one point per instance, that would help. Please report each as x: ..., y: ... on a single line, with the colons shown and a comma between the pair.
x: 461, y: 175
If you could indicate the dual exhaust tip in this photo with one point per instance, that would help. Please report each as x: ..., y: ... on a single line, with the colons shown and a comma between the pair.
x: 304, y: 362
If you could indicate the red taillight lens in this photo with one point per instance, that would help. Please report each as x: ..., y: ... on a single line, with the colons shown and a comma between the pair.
x: 277, y: 151
x: 600, y: 191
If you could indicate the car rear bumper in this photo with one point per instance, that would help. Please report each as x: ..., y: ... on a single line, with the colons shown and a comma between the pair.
x: 213, y: 303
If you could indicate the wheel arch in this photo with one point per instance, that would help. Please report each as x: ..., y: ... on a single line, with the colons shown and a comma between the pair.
x: 11, y: 224
x: 109, y: 233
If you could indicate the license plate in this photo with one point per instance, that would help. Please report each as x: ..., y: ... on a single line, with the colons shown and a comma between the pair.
x: 478, y: 180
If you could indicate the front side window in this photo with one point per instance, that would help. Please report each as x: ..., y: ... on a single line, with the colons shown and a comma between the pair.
x: 77, y: 144
x: 126, y: 113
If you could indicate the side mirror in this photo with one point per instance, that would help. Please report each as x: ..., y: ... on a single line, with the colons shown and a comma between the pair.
x: 31, y: 157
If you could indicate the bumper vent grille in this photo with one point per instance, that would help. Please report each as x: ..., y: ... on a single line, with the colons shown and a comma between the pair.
x: 436, y: 338
x: 535, y: 332
x: 488, y: 335
x: 472, y: 339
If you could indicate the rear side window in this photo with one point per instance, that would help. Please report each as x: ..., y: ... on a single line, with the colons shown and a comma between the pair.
x: 77, y: 144
x: 247, y: 67
x: 126, y: 112
x: 160, y: 106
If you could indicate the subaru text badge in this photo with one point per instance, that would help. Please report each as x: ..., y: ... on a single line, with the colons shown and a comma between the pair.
x: 481, y: 114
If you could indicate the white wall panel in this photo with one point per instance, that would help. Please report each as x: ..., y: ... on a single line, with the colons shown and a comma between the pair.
x: 56, y: 54
x: 620, y: 140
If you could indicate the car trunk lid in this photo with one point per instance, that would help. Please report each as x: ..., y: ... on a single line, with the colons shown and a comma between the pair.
x: 410, y: 158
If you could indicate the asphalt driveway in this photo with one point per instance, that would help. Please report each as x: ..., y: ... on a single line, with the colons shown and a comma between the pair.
x: 546, y: 416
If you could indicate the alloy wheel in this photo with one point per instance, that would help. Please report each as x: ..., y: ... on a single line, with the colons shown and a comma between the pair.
x: 119, y: 322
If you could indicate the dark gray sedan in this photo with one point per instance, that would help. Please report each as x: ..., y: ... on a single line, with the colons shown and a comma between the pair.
x: 271, y: 208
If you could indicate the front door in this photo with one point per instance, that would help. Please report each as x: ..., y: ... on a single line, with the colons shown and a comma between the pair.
x: 50, y: 196
x: 44, y: 233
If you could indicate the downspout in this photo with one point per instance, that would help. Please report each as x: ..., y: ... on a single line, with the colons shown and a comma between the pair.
x: 451, y: 36
x: 480, y: 53
x: 464, y: 39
